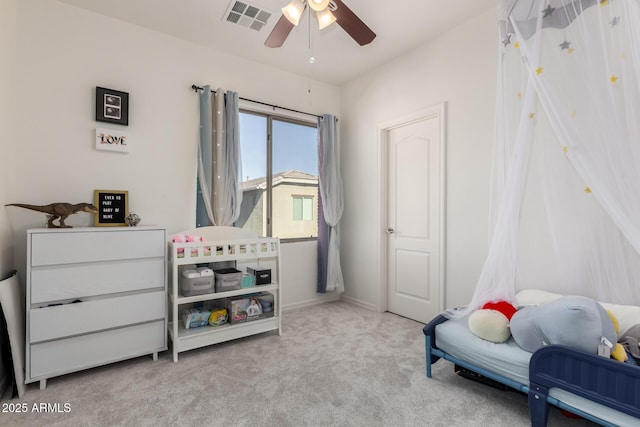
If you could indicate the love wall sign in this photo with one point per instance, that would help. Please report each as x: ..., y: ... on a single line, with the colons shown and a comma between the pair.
x: 111, y: 140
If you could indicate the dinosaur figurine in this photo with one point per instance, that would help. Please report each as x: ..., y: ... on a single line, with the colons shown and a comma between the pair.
x: 59, y: 210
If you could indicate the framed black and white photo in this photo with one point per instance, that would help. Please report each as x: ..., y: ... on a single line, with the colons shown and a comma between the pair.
x: 112, y: 106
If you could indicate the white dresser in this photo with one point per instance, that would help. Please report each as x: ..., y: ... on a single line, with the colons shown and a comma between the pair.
x: 93, y: 296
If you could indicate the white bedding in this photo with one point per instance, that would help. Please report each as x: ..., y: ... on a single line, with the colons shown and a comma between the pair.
x: 506, y: 359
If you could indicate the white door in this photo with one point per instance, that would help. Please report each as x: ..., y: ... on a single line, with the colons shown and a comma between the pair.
x: 415, y: 219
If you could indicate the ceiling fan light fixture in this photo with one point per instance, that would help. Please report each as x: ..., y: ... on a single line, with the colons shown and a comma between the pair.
x: 318, y: 5
x: 325, y: 18
x: 293, y: 11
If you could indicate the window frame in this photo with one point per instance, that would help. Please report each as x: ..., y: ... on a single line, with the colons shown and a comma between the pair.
x: 296, y: 119
x: 303, y: 198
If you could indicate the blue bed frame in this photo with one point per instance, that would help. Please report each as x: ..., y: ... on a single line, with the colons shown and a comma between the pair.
x: 607, y: 382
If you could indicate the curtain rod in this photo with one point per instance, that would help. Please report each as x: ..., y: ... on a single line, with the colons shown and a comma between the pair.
x: 197, y: 88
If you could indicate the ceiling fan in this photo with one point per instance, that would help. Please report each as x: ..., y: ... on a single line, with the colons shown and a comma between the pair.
x: 327, y: 12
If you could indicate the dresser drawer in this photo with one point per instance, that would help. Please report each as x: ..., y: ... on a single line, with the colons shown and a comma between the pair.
x: 71, y: 281
x: 66, y: 320
x: 86, y: 351
x: 52, y: 248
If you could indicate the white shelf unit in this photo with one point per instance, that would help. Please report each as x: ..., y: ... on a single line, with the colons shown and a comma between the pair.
x: 94, y: 295
x: 223, y: 244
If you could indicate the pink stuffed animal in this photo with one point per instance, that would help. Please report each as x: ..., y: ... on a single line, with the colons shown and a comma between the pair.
x: 188, y: 238
x: 179, y: 238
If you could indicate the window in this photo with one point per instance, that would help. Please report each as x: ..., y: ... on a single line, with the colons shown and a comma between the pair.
x: 302, y: 208
x: 280, y: 168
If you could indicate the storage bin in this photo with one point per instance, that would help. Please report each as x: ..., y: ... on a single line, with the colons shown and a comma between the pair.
x: 195, y: 318
x: 228, y: 279
x: 248, y: 280
x: 246, y: 308
x: 194, y: 282
x: 263, y: 275
x: 266, y: 301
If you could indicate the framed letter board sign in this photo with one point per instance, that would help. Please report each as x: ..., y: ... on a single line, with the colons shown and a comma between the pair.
x: 112, y: 207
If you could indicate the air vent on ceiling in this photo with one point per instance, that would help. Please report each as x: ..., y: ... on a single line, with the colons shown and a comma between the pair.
x: 247, y: 15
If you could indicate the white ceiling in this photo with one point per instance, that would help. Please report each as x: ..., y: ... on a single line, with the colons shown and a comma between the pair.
x: 400, y: 25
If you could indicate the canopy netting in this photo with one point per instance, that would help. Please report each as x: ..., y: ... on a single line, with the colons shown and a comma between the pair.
x: 566, y: 173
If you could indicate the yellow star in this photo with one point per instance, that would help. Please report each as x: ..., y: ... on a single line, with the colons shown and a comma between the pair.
x: 613, y: 78
x: 565, y: 149
x: 519, y: 94
x: 516, y: 45
x: 623, y: 56
x: 573, y: 114
x: 539, y: 70
x: 532, y: 115
x: 604, y: 2
x: 587, y: 190
x: 570, y: 50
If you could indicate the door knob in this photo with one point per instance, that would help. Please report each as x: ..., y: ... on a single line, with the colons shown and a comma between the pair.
x: 390, y: 230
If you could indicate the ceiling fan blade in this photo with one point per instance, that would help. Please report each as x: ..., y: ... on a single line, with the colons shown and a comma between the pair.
x: 353, y: 25
x: 279, y: 33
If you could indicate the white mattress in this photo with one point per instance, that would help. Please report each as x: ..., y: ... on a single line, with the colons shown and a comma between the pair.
x: 510, y: 361
x: 506, y: 359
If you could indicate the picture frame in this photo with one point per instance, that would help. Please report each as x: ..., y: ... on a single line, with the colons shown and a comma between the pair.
x: 112, y: 106
x: 112, y: 140
x: 113, y: 207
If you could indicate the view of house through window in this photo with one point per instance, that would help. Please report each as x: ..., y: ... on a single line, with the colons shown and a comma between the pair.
x: 280, y: 185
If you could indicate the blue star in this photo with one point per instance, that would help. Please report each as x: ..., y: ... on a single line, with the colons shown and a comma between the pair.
x: 507, y: 40
x: 565, y: 45
x: 615, y: 21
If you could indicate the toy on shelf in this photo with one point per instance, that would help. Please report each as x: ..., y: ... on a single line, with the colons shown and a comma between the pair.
x: 58, y: 211
x: 132, y: 219
x: 218, y: 317
x: 190, y: 238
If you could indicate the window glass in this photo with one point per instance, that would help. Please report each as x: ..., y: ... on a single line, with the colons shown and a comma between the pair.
x: 253, y: 149
x: 302, y: 208
x: 281, y: 200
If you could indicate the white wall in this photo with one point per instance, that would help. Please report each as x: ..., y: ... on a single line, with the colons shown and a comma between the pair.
x: 64, y: 53
x: 8, y: 54
x: 7, y: 142
x: 458, y: 68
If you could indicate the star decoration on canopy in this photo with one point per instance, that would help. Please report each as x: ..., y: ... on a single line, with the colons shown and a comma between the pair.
x: 613, y: 78
x: 516, y: 45
x: 565, y: 149
x: 615, y: 21
x: 548, y: 11
x: 565, y: 45
x: 507, y: 40
x: 604, y: 2
x: 587, y: 190
x: 532, y: 115
x: 539, y: 70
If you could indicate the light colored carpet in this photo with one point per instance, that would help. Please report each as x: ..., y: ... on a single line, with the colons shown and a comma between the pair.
x: 336, y: 364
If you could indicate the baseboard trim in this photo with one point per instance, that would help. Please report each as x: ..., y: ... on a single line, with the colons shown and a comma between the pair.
x: 358, y: 302
x: 309, y: 303
x: 332, y: 298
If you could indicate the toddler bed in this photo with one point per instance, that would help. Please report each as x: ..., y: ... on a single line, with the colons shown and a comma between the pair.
x: 597, y: 388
